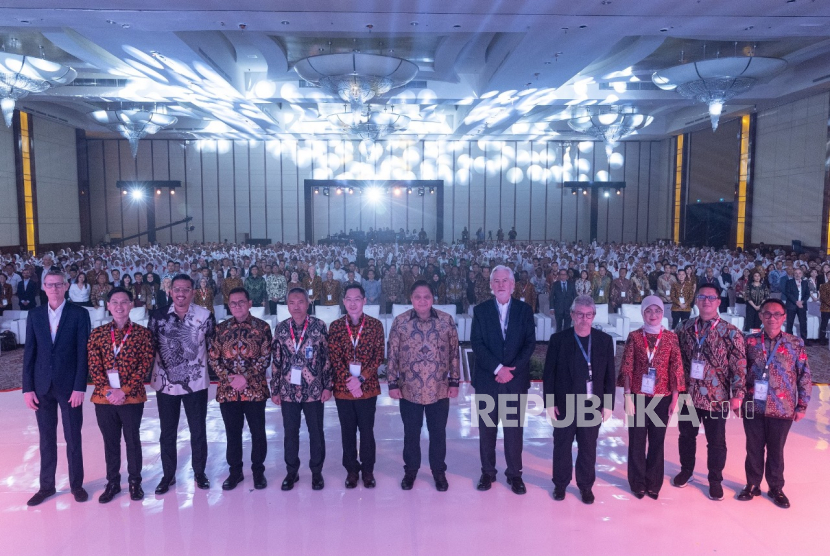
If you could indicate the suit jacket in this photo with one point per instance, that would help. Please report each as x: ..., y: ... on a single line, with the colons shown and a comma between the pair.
x: 61, y: 364
x: 560, y: 377
x: 512, y: 350
x: 28, y: 294
x: 791, y: 293
x: 562, y: 301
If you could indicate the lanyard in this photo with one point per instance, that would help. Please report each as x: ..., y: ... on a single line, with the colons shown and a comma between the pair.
x: 297, y: 344
x: 768, y: 359
x: 355, y: 341
x: 117, y: 349
x: 701, y: 340
x: 586, y: 355
x: 650, y: 353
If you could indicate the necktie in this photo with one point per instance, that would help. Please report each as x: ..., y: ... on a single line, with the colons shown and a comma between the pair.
x: 563, y: 286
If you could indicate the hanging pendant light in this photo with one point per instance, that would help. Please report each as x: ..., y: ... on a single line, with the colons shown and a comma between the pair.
x: 21, y: 75
x: 135, y: 123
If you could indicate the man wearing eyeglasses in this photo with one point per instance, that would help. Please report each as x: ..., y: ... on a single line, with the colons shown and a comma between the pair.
x: 714, y: 362
x: 779, y: 384
x: 181, y: 334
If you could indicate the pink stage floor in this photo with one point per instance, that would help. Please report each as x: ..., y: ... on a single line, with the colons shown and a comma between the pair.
x: 387, y: 520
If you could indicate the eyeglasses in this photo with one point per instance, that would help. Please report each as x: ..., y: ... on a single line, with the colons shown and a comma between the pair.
x: 182, y: 290
x: 238, y: 304
x: 583, y: 315
x: 54, y: 285
x: 776, y: 316
x: 709, y: 297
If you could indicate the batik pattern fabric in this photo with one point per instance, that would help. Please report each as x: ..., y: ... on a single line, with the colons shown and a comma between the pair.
x: 369, y: 353
x: 241, y: 348
x: 312, y: 357
x: 667, y: 361
x: 790, y: 380
x: 132, y: 363
x: 181, y: 349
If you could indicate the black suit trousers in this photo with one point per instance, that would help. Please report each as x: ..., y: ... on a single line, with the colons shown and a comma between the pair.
x: 586, y: 458
x: 113, y: 420
x: 195, y: 409
x: 563, y: 319
x: 513, y: 438
x: 645, y: 464
x: 72, y: 419
x: 357, y: 415
x: 234, y: 414
x: 802, y: 320
x: 770, y: 434
x: 292, y: 413
x: 412, y: 415
x: 714, y: 424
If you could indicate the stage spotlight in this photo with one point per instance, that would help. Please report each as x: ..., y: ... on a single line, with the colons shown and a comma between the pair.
x: 339, y: 191
x: 573, y: 191
x: 316, y: 190
x: 421, y: 191
x: 137, y: 194
x: 584, y: 191
x: 326, y: 191
x: 158, y: 191
x: 374, y: 194
x: 619, y: 191
x: 172, y: 191
x: 607, y: 194
x: 409, y: 191
x: 351, y: 191
x: 397, y: 191
x: 123, y: 191
x: 431, y: 190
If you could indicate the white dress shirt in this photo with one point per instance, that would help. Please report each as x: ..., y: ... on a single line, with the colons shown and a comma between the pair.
x: 503, y: 309
x: 55, y: 318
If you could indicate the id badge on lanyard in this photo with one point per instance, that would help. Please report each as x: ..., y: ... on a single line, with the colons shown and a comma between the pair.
x: 649, y: 380
x: 761, y: 391
x: 698, y: 362
x: 589, y: 385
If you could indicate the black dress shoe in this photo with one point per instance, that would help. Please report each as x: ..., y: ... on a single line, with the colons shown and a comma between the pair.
x: 40, y: 496
x: 260, y: 482
x: 202, y: 481
x: 485, y: 482
x: 682, y: 479
x: 715, y: 492
x: 165, y: 484
x: 109, y: 493
x: 558, y: 494
x: 290, y: 479
x: 779, y: 498
x: 639, y: 494
x: 81, y: 494
x: 441, y: 484
x: 231, y: 482
x: 587, y: 496
x: 317, y: 482
x: 351, y: 480
x: 653, y: 495
x: 517, y: 485
x: 136, y: 492
x: 408, y: 480
x: 749, y: 492
x: 369, y: 480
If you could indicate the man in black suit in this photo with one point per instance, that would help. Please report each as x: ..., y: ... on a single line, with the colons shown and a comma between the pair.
x: 54, y: 375
x: 40, y: 274
x: 27, y: 291
x: 579, y: 362
x: 563, y: 294
x: 503, y: 338
x: 796, y: 293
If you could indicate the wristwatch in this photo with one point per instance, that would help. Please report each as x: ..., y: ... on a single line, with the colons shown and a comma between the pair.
x: 361, y: 379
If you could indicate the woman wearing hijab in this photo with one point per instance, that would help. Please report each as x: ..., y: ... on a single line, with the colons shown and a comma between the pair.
x: 651, y: 368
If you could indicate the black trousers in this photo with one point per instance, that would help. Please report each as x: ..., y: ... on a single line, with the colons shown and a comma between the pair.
x: 292, y: 413
x: 513, y: 439
x: 679, y: 316
x: 357, y: 415
x: 822, y: 330
x: 586, y: 456
x: 113, y: 420
x: 645, y: 447
x: 412, y: 415
x: 802, y: 321
x: 714, y: 425
x: 563, y: 319
x: 195, y: 409
x: 234, y: 414
x: 770, y: 433
x: 72, y: 419
x: 752, y: 318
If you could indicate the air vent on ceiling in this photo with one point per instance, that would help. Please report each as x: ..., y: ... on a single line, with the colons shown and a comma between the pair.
x: 99, y: 83
x: 631, y: 86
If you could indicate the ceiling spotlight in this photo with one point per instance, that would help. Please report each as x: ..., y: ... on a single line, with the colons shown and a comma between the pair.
x: 137, y: 194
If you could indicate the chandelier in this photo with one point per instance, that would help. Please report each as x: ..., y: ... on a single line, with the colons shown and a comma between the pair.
x: 609, y: 124
x: 716, y: 81
x: 369, y: 124
x: 134, y: 123
x: 356, y: 77
x: 21, y: 75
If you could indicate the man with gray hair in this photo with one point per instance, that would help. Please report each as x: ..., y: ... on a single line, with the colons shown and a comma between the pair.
x: 579, y: 368
x: 503, y: 337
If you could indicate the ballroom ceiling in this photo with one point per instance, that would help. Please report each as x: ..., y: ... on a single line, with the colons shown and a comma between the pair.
x: 501, y: 70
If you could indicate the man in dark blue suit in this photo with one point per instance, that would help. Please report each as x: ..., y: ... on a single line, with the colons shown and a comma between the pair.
x: 54, y: 375
x: 503, y: 338
x: 579, y: 362
x: 27, y: 291
x: 796, y: 294
x: 562, y: 294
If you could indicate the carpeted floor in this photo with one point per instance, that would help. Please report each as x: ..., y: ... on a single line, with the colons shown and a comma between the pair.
x: 11, y: 365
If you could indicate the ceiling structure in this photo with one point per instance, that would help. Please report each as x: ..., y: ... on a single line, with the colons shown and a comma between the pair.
x: 512, y: 70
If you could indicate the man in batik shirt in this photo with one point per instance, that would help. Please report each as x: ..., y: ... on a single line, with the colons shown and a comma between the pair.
x: 256, y: 286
